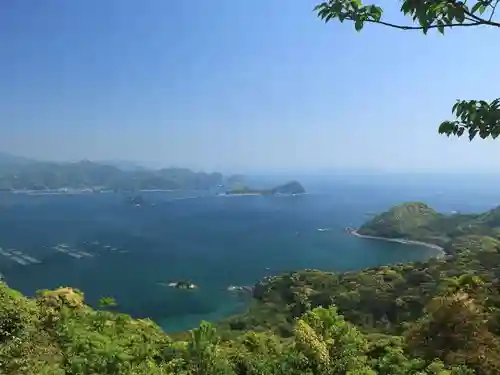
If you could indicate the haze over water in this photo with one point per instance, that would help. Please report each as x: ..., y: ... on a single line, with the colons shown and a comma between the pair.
x: 212, y: 241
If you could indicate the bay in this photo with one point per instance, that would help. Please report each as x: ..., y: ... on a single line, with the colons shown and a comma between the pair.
x: 131, y: 253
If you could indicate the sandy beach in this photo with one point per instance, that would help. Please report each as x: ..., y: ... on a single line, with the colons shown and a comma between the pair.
x: 439, y: 250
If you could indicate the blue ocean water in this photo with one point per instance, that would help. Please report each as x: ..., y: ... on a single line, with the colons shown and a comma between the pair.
x: 132, y: 252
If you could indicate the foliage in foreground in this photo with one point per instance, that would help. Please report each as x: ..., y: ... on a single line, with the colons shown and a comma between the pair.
x: 56, y: 333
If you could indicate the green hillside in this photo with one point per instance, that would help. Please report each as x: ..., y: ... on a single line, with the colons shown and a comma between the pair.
x: 417, y: 221
x: 404, y: 220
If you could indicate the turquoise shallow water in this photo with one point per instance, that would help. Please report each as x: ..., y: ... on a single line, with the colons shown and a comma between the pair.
x: 213, y: 241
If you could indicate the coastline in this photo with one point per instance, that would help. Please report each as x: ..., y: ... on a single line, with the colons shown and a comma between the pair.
x: 242, y: 194
x: 439, y: 250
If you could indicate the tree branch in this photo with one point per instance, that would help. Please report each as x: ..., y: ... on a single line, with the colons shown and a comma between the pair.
x: 494, y: 7
x: 403, y: 27
x: 483, y: 21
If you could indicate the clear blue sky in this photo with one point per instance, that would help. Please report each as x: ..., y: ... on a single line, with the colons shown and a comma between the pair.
x: 235, y: 85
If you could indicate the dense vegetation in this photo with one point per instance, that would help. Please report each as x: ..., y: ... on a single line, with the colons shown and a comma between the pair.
x: 435, y: 317
x: 31, y: 175
x: 292, y: 187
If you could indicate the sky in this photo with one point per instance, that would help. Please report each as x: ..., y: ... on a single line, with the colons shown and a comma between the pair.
x: 236, y: 86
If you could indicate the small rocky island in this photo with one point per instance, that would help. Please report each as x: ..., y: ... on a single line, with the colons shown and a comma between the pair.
x: 290, y: 188
x: 183, y: 285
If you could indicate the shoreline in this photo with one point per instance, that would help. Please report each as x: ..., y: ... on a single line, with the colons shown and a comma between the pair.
x: 440, y: 253
x: 242, y: 194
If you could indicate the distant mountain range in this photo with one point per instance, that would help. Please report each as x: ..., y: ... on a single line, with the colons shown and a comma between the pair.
x: 19, y: 173
x: 8, y: 159
x: 123, y: 165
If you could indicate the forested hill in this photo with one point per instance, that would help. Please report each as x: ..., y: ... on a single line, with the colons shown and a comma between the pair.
x: 33, y: 175
x: 417, y: 221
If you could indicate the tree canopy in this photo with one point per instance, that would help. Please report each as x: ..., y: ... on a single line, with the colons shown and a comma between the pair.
x: 472, y: 117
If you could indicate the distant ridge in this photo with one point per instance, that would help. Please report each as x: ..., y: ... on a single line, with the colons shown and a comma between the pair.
x: 124, y: 165
x: 9, y: 159
x: 18, y: 173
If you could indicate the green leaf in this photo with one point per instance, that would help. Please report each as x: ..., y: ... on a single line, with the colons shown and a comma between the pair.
x: 472, y: 134
x: 422, y: 21
x: 440, y: 26
x: 378, y: 12
x: 358, y: 25
x: 476, y: 7
x: 446, y: 127
x: 459, y: 15
x: 337, y: 8
x: 484, y: 133
x: 407, y: 7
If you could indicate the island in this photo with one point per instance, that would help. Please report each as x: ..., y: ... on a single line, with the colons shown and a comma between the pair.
x: 290, y: 188
x: 183, y: 285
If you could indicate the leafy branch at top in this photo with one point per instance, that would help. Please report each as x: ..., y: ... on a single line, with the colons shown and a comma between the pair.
x: 430, y: 14
x: 476, y: 117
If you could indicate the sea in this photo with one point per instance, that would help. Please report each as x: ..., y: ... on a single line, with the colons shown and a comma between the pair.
x: 106, y: 246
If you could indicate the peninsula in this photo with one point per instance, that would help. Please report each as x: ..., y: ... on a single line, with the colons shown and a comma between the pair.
x: 415, y: 223
x: 290, y: 188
